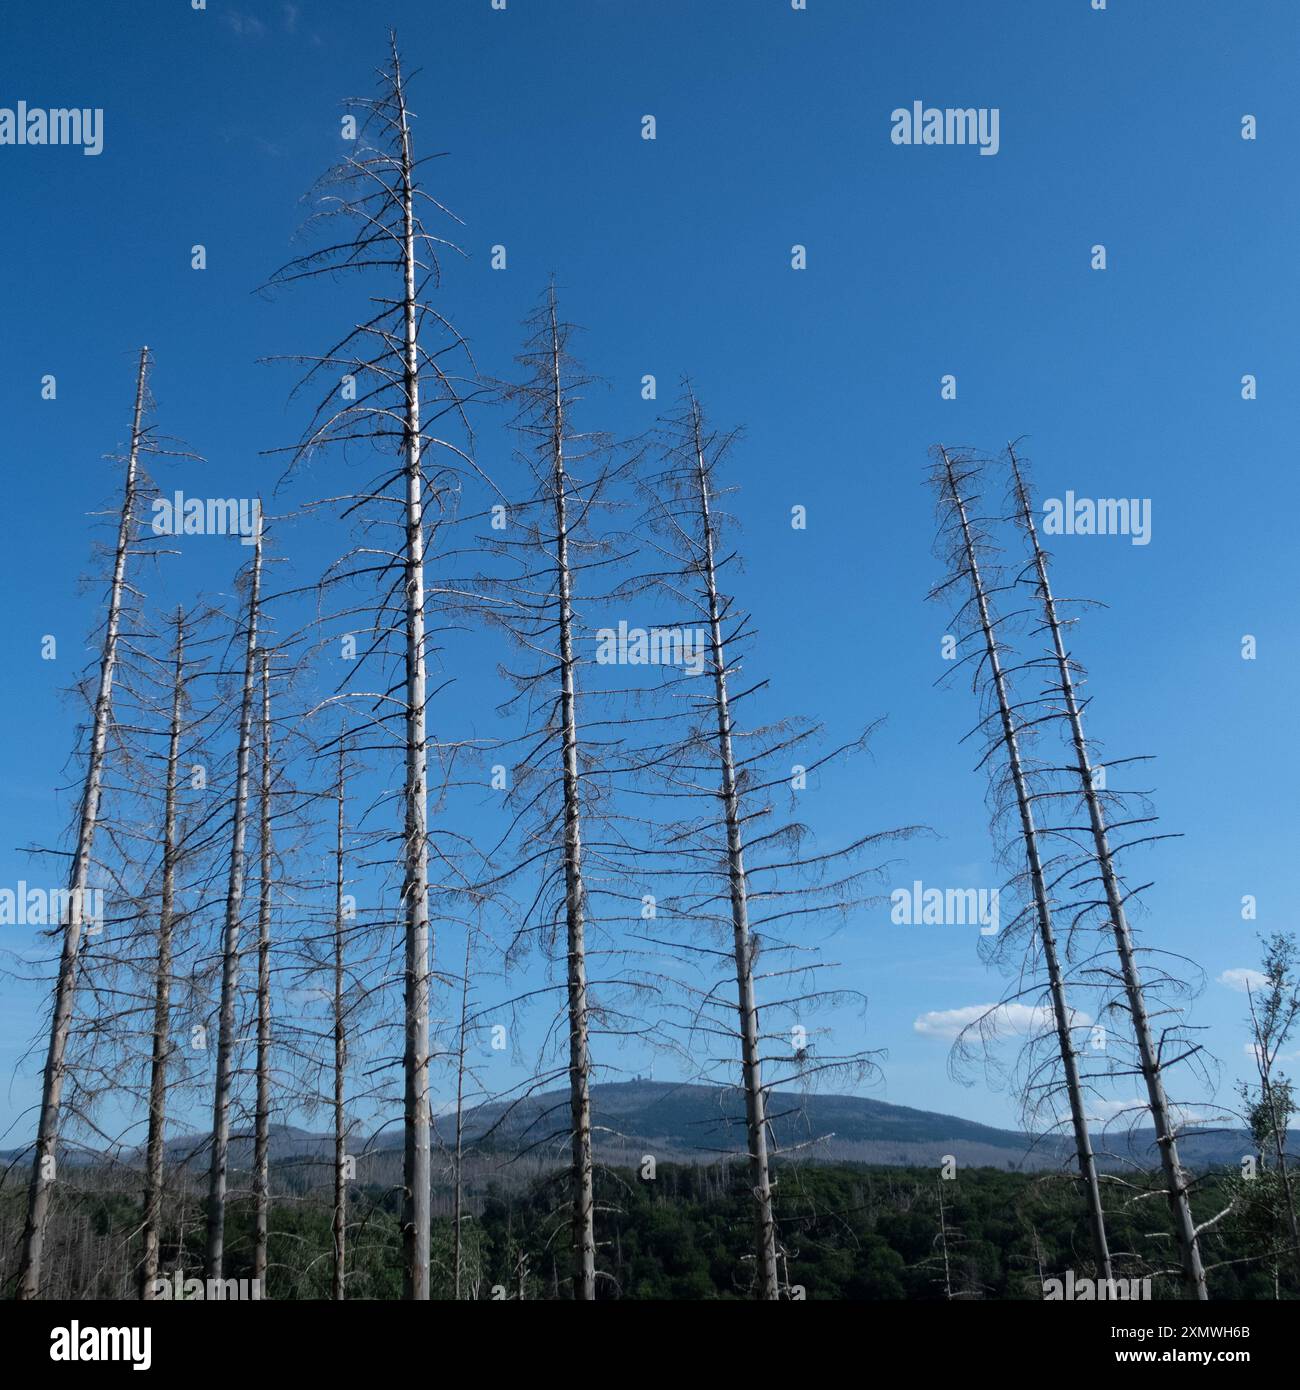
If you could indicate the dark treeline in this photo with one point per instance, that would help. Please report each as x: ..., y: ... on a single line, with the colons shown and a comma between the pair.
x: 852, y: 1233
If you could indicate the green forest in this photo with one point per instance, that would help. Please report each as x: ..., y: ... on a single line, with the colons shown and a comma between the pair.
x: 846, y: 1232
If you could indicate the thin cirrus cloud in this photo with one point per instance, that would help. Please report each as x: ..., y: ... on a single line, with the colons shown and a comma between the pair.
x: 1018, y: 1019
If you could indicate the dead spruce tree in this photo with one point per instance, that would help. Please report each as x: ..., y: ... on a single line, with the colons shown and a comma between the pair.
x: 734, y: 867
x: 140, y: 981
x: 384, y: 385
x: 550, y: 544
x: 234, y: 906
x: 966, y: 548
x: 262, y: 1104
x: 333, y: 1036
x: 120, y: 596
x: 184, y: 866
x: 339, y: 1219
x: 1152, y: 1064
x: 153, y: 1191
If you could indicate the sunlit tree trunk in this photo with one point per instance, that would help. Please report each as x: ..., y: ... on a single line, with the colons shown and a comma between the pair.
x: 156, y: 1143
x: 1148, y: 1053
x: 1042, y: 908
x: 768, y: 1286
x: 340, y: 1222
x: 262, y: 1111
x: 47, y: 1134
x: 216, y: 1232
x: 415, y: 888
x: 583, y: 1198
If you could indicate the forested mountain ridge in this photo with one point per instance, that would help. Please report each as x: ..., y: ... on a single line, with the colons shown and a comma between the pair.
x: 690, y: 1123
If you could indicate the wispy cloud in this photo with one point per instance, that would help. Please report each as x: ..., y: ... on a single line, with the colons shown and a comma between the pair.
x: 1018, y: 1019
x: 243, y: 24
x: 1243, y: 980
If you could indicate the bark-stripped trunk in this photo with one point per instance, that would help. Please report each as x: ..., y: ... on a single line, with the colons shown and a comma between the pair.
x: 216, y: 1233
x: 262, y: 1115
x: 340, y: 1055
x: 943, y: 1241
x: 47, y: 1134
x: 1148, y: 1053
x: 575, y: 902
x: 1042, y: 909
x: 768, y: 1285
x: 154, y: 1148
x: 415, y: 888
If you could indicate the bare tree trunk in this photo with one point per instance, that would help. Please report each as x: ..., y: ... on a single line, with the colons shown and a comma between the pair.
x: 262, y: 1114
x: 1179, y: 1203
x: 47, y: 1134
x: 415, y: 888
x: 1060, y: 1010
x: 216, y: 1233
x: 768, y: 1285
x: 943, y: 1240
x: 340, y: 1055
x: 155, y: 1146
x: 581, y: 1177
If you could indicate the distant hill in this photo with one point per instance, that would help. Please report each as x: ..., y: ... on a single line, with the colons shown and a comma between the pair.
x: 684, y: 1122
x: 687, y: 1123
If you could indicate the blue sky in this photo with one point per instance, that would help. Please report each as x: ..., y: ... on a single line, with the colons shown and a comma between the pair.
x: 1120, y: 127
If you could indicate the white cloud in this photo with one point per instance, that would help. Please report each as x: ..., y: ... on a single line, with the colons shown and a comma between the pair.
x: 1242, y: 980
x: 1018, y: 1019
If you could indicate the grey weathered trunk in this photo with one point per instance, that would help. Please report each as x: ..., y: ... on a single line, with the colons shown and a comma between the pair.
x: 943, y: 1241
x: 262, y: 1105
x: 216, y: 1232
x: 581, y: 1172
x: 47, y: 1133
x: 768, y: 1285
x: 415, y: 887
x: 340, y: 1221
x: 1042, y: 908
x: 1148, y: 1054
x: 155, y: 1144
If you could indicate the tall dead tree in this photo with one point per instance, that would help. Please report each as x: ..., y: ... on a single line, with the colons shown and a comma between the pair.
x: 156, y: 1143
x: 262, y: 1104
x: 584, y: 1241
x: 551, y: 543
x: 394, y: 385
x: 339, y: 1221
x: 1149, y: 1051
x: 230, y: 951
x: 735, y: 871
x: 747, y: 1009
x: 952, y: 479
x: 44, y: 1162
